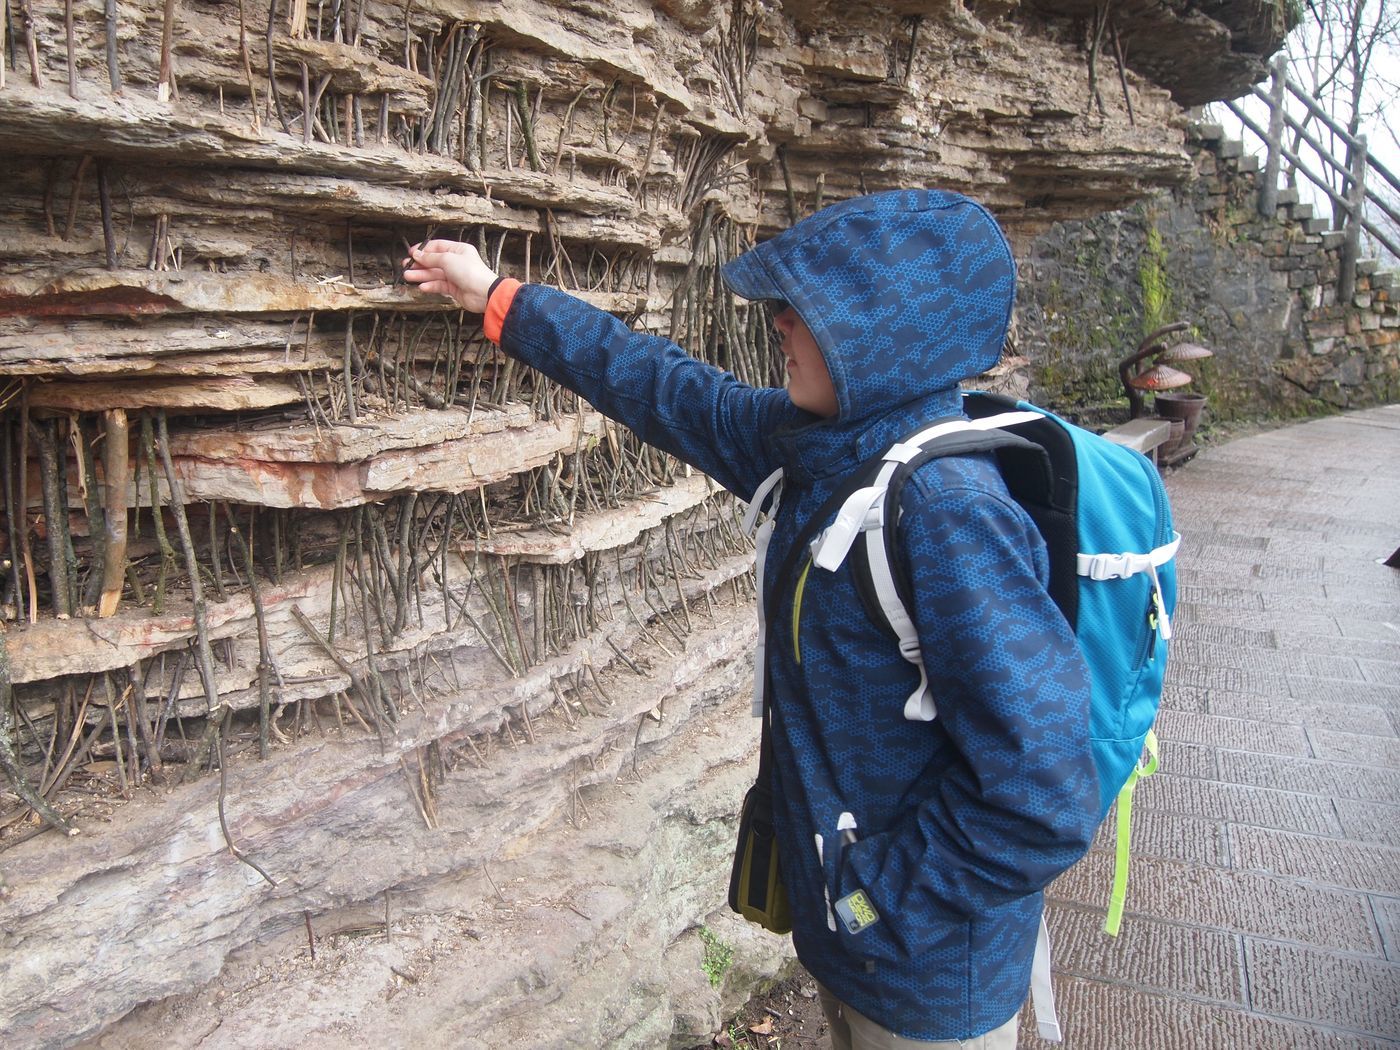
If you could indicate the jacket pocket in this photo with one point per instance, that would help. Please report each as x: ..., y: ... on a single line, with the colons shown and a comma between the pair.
x: 851, y: 911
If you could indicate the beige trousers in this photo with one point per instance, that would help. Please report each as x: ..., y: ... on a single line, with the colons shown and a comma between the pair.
x: 852, y: 1030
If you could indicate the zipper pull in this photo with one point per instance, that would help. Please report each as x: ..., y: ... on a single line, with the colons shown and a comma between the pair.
x: 1163, y: 623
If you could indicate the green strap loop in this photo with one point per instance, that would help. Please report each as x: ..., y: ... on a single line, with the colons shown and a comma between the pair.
x: 1125, y: 812
x: 797, y: 609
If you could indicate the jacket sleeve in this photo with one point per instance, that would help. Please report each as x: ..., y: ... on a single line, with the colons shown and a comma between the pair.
x: 693, y: 410
x: 1017, y: 799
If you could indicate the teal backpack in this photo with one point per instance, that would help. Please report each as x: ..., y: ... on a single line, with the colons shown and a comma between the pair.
x: 1103, y: 512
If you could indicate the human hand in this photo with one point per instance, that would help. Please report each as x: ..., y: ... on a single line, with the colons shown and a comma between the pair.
x: 450, y: 268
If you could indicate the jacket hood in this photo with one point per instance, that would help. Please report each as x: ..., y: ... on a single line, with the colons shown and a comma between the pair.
x: 906, y: 293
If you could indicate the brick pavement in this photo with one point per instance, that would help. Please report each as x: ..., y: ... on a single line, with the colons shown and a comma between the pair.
x: 1264, y: 897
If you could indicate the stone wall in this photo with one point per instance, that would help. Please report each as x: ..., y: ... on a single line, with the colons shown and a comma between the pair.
x: 1259, y: 291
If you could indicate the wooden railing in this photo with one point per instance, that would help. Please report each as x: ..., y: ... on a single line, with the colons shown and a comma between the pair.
x: 1354, y: 196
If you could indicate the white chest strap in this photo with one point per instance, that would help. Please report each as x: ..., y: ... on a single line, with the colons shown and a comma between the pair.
x: 770, y: 490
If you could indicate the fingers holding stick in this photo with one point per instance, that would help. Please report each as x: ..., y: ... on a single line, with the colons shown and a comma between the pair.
x: 450, y: 268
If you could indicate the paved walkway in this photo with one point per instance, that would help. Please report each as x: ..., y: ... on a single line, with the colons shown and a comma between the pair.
x: 1264, y: 899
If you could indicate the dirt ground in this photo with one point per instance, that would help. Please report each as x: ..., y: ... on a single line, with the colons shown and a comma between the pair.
x: 788, y: 1017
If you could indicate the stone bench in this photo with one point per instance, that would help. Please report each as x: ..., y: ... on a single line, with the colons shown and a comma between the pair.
x: 1144, y: 435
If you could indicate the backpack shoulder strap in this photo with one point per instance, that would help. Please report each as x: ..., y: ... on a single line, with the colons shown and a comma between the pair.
x: 888, y: 574
x: 875, y: 504
x: 949, y: 437
x: 768, y: 496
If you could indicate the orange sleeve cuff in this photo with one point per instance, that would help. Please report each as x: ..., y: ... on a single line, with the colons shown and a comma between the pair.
x: 498, y: 307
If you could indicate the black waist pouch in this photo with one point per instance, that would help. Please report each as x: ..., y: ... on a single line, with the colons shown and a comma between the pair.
x: 755, y: 883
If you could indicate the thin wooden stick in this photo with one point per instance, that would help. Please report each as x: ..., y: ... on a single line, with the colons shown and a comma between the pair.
x: 165, y: 86
x: 272, y: 74
x: 72, y: 59
x: 104, y: 196
x: 1122, y: 70
x: 167, y: 552
x: 115, y: 471
x: 143, y: 723
x: 247, y: 65
x: 31, y: 41
x: 114, y: 73
x: 223, y: 791
x: 9, y: 759
x: 14, y: 517
x: 356, y: 682
x: 527, y: 124
x: 204, y: 656
x: 23, y: 504
x: 266, y: 662
x: 112, y: 704
x: 76, y: 195
x: 55, y: 518
x: 83, y: 442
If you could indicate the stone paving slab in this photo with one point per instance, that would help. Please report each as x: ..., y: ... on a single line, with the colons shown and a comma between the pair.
x: 1263, y: 903
x: 1102, y: 1015
x: 1350, y: 718
x: 1376, y: 821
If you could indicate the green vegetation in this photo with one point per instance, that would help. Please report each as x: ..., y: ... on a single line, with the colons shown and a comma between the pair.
x: 717, y: 957
x: 1084, y: 340
x: 1152, y: 277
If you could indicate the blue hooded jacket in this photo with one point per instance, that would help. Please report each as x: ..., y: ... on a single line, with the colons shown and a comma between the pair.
x: 960, y: 821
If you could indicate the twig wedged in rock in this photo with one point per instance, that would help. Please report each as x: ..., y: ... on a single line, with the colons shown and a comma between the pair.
x: 223, y: 791
x: 165, y: 86
x: 9, y: 757
x: 272, y: 70
x: 76, y: 753
x: 114, y: 74
x: 72, y: 57
x: 55, y: 518
x: 356, y: 680
x: 104, y: 196
x: 266, y: 661
x: 347, y: 371
x: 167, y: 552
x: 204, y: 656
x: 1118, y: 53
x: 17, y: 513
x: 216, y: 563
x: 75, y: 196
x: 31, y: 41
x: 149, y: 751
x: 83, y: 443
x: 112, y: 704
x: 1100, y: 22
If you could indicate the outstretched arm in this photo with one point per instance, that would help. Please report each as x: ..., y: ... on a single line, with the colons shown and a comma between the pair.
x: 693, y: 410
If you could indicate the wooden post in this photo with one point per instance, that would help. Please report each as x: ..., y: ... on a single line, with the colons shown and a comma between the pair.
x: 1351, y: 242
x: 1268, y: 182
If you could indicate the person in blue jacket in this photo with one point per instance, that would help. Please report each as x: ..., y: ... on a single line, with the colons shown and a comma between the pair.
x: 951, y: 816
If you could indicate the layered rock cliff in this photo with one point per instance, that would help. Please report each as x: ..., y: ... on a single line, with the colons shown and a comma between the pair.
x: 322, y: 620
